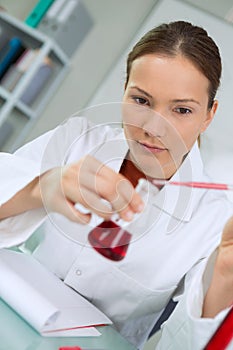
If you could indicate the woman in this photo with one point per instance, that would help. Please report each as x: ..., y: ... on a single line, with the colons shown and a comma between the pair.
x: 173, y: 74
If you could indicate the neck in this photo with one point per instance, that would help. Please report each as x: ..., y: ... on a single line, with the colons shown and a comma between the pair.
x: 131, y: 172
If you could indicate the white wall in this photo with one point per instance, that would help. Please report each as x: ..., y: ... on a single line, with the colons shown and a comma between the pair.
x: 19, y: 9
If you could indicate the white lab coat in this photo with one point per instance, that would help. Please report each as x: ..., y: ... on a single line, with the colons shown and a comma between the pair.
x: 184, y: 228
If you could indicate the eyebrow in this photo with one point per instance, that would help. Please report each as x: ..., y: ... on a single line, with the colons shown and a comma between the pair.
x: 178, y: 100
x: 185, y: 100
x: 142, y: 91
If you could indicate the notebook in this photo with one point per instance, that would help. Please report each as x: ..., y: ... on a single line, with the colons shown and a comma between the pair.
x: 43, y: 300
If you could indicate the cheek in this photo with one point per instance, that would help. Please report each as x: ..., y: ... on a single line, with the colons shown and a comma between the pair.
x: 180, y: 137
x: 136, y: 115
x: 189, y: 135
x: 192, y: 125
x: 131, y: 131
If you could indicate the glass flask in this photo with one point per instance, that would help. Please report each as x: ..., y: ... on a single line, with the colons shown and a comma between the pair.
x: 112, y: 238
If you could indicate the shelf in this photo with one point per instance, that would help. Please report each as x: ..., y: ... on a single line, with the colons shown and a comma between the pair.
x: 2, y: 102
x: 13, y: 127
x: 18, y: 105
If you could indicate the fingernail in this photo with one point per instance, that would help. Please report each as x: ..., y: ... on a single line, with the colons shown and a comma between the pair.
x: 85, y: 219
x: 140, y: 207
x: 129, y: 215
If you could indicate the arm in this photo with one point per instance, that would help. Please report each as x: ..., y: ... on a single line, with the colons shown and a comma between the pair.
x: 198, y: 315
x: 21, y: 201
x: 220, y: 293
x: 87, y: 182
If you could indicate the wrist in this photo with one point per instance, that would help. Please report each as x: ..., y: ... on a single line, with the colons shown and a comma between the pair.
x: 35, y: 193
x: 223, y: 268
x: 219, y: 296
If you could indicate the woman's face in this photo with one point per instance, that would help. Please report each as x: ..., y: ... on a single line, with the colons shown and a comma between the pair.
x: 164, y: 110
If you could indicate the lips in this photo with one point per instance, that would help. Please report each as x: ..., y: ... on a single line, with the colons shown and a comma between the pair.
x: 152, y: 148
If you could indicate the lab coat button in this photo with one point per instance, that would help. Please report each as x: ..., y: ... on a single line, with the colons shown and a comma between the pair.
x: 78, y: 272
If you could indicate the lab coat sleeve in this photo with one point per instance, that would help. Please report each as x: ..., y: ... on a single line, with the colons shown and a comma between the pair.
x: 20, y: 168
x: 186, y: 329
x: 16, y: 173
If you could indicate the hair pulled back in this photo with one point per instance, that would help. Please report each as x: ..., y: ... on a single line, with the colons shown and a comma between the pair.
x: 182, y: 38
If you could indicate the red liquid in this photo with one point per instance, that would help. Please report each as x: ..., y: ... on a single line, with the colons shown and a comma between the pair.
x: 207, y: 185
x: 110, y: 240
x: 223, y: 335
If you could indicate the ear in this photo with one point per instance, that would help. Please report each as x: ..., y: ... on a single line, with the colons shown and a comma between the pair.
x: 209, y: 116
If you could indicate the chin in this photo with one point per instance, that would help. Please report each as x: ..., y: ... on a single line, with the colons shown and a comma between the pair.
x: 150, y: 167
x: 154, y: 167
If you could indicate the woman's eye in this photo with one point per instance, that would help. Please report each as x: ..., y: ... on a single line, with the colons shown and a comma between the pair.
x: 141, y: 101
x: 183, y: 110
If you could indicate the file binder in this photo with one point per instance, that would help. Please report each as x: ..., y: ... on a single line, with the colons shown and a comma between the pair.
x: 38, y: 13
x: 10, y: 52
x: 37, y: 83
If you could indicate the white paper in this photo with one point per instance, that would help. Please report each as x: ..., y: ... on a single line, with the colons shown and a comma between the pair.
x: 76, y: 332
x: 43, y: 300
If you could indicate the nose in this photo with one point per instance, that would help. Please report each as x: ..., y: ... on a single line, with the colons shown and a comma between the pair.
x: 155, y: 125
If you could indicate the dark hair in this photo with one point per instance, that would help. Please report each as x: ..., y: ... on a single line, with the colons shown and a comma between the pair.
x: 183, y: 38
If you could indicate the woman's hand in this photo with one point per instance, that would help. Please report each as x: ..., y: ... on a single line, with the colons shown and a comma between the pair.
x: 88, y: 182
x: 224, y: 262
x: 220, y: 293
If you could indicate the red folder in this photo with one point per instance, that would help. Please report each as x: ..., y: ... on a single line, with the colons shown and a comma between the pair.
x: 224, y: 334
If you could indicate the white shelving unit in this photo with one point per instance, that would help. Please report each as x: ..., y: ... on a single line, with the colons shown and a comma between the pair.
x: 12, y: 110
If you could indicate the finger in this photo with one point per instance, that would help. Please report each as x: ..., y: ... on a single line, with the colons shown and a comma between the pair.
x: 132, y: 199
x: 94, y: 203
x: 109, y: 185
x: 77, y: 215
x: 68, y: 209
x: 80, y: 193
x: 120, y: 193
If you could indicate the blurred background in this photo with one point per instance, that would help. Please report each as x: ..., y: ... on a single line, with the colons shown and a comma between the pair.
x: 97, y: 67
